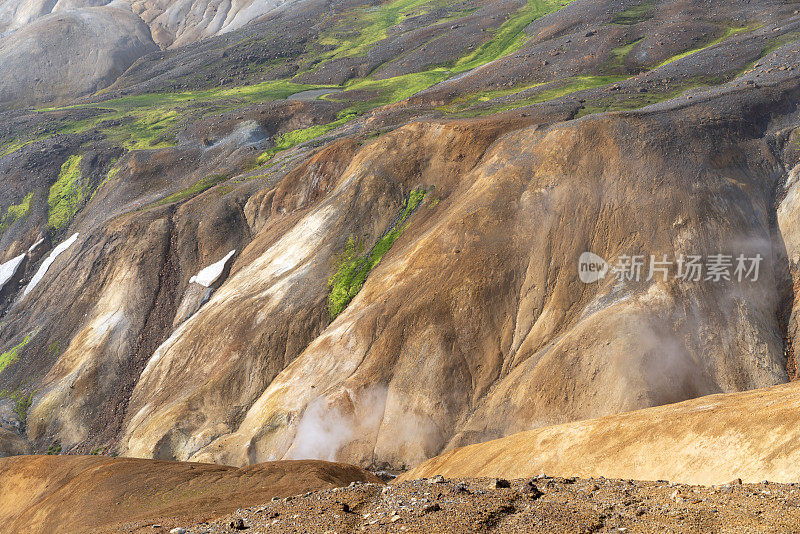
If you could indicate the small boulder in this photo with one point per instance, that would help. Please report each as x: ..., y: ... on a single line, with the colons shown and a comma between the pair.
x: 532, y: 490
x: 499, y: 483
x: 433, y: 507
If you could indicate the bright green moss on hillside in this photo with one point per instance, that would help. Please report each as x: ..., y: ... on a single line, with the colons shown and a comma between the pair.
x: 616, y: 63
x: 354, y: 266
x: 296, y: 137
x: 392, y: 90
x: 357, y: 32
x: 13, y: 354
x: 15, y: 145
x: 67, y: 194
x: 511, y: 36
x: 151, y: 120
x: 728, y: 33
x: 560, y: 89
x: 195, y: 189
x: 16, y: 212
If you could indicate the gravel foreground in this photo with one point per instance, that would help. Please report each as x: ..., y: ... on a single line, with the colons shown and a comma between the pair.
x: 541, y: 504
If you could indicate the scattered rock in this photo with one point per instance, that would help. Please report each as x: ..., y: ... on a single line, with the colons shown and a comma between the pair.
x: 532, y: 490
x: 433, y: 507
x: 499, y: 483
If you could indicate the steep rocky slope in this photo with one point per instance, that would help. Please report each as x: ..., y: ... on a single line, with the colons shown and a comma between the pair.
x: 91, y: 494
x: 243, y: 272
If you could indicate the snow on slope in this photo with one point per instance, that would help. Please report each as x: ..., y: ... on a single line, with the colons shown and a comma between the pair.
x: 48, y: 262
x: 9, y: 269
x: 211, y: 274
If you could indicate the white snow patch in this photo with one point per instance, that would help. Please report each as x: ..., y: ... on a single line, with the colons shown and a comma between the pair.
x: 33, y: 247
x: 9, y: 269
x: 48, y: 262
x: 211, y: 274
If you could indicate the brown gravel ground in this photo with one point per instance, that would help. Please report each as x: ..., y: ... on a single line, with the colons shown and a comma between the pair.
x: 541, y: 504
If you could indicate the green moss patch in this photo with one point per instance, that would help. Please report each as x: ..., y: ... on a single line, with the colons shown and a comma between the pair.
x: 636, y: 14
x: 67, y: 194
x: 354, y: 265
x: 16, y: 212
x: 560, y: 89
x: 22, y: 402
x: 728, y: 33
x: 195, y: 189
x: 616, y: 63
x: 13, y: 354
x: 511, y: 35
x: 357, y: 32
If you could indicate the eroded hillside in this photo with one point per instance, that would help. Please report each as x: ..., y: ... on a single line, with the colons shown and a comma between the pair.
x: 362, y: 243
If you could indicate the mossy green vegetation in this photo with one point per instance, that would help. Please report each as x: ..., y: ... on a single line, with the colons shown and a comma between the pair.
x: 293, y: 138
x: 358, y: 31
x: 354, y: 265
x: 67, y: 194
x: 22, y: 402
x: 511, y: 35
x: 616, y: 63
x: 54, y: 448
x: 13, y: 354
x: 636, y: 14
x: 110, y: 176
x: 150, y: 121
x: 557, y: 89
x: 195, y: 189
x: 728, y: 33
x: 14, y: 145
x: 16, y: 212
x: 391, y: 90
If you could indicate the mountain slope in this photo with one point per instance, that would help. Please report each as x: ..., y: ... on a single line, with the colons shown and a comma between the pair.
x: 47, y: 493
x: 712, y: 440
